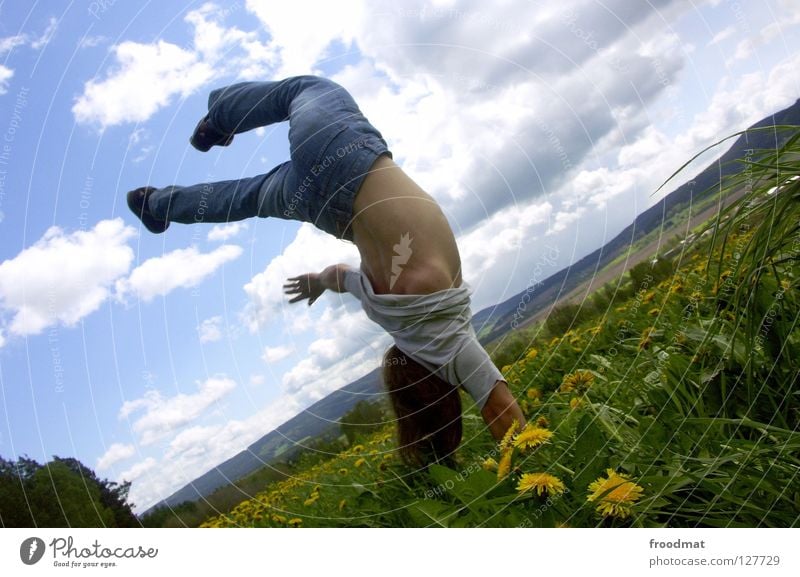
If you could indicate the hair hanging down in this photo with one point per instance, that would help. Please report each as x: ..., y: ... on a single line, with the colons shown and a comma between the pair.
x: 428, y: 410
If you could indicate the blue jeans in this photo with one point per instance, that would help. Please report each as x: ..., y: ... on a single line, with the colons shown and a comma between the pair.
x: 331, y: 144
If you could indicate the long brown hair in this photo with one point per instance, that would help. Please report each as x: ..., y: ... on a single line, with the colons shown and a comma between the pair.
x: 428, y: 410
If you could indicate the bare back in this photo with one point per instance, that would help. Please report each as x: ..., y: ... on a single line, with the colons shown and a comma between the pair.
x: 397, y: 223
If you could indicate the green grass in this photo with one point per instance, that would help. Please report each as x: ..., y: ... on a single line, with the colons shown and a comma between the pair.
x: 687, y: 386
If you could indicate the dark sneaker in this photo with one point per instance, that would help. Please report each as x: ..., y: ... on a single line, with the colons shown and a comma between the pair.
x: 137, y: 202
x: 205, y: 136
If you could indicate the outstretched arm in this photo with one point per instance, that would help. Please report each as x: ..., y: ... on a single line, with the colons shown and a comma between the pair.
x: 501, y: 410
x: 311, y: 285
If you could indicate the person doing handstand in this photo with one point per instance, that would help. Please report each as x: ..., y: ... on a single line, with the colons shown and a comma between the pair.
x: 342, y: 178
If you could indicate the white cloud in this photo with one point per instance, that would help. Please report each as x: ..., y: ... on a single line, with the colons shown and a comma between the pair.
x: 500, y: 236
x: 772, y: 31
x: 163, y: 415
x: 723, y: 34
x: 210, y: 330
x: 223, y: 232
x: 138, y: 470
x: 310, y: 251
x: 46, y: 36
x: 740, y: 102
x: 8, y: 43
x: 181, y: 268
x: 256, y: 380
x: 147, y: 77
x: 92, y: 41
x: 276, y: 354
x: 5, y: 75
x: 301, y: 31
x: 198, y: 448
x: 348, y: 345
x: 64, y: 277
x: 115, y: 453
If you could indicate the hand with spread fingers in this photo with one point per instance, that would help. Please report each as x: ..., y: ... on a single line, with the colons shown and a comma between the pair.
x: 306, y: 286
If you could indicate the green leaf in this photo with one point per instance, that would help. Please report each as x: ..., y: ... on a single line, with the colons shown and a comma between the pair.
x: 430, y: 513
x: 467, y: 488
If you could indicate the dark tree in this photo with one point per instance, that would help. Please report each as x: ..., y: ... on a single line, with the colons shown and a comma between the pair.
x: 61, y: 493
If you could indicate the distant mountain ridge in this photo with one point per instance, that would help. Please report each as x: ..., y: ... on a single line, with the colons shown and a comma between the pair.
x: 491, y: 322
x: 318, y: 419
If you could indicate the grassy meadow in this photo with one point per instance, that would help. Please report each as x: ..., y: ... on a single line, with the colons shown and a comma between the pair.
x: 668, y: 398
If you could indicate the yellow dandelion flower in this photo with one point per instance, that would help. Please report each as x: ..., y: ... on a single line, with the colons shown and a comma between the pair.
x: 532, y: 436
x: 295, y: 522
x: 575, y: 403
x: 577, y: 381
x: 653, y: 312
x: 489, y: 464
x: 647, y: 338
x: 357, y: 448
x: 614, y: 494
x: 554, y: 341
x: 648, y: 297
x: 279, y: 518
x: 785, y: 284
x: 388, y: 456
x: 508, y: 438
x: 596, y: 330
x: 342, y: 503
x: 343, y: 471
x: 542, y: 422
x: 311, y: 500
x: 360, y: 462
x: 523, y: 404
x: 676, y: 288
x: 540, y: 483
x: 533, y: 393
x: 504, y: 466
x: 621, y: 309
x: 532, y: 354
x: 506, y: 369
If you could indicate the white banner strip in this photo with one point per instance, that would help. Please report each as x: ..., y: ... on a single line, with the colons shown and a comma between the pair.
x: 388, y: 552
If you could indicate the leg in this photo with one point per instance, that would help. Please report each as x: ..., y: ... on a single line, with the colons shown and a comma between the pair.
x: 331, y: 147
x: 276, y: 194
x: 241, y: 107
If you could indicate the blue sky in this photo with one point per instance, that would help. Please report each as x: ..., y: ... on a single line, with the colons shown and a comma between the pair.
x: 541, y: 129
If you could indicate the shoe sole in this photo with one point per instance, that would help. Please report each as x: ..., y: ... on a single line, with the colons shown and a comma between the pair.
x: 136, y: 203
x: 201, y: 145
